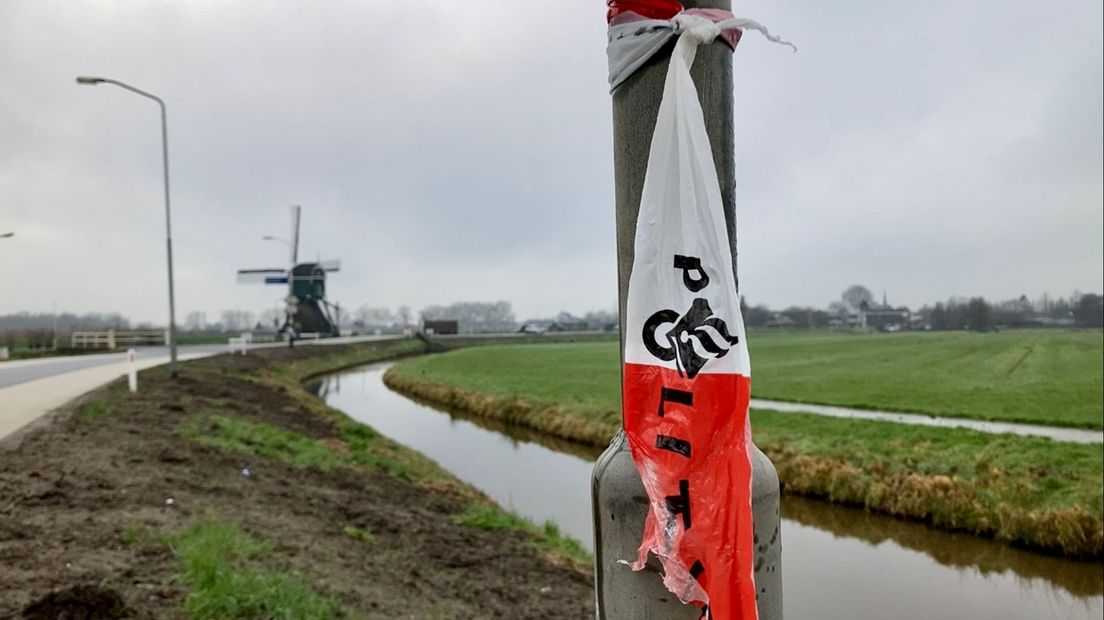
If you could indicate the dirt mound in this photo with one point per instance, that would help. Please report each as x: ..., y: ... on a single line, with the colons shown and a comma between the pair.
x: 78, y: 603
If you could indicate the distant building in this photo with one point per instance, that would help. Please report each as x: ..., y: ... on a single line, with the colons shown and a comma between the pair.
x: 883, y: 317
x: 439, y: 327
x: 872, y: 315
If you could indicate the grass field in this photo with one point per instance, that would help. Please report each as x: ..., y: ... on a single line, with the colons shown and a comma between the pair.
x: 1032, y: 491
x: 1043, y: 377
x: 1038, y: 376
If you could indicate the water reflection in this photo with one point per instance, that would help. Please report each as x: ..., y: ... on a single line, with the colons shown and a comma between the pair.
x: 518, y: 434
x: 954, y: 550
x: 547, y: 480
x: 837, y: 562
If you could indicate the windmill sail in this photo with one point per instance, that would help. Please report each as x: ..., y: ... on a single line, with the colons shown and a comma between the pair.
x: 262, y: 276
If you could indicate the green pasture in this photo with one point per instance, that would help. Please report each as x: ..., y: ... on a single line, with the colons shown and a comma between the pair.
x: 1038, y: 376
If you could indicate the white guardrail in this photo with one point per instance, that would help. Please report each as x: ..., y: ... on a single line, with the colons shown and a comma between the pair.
x: 112, y: 339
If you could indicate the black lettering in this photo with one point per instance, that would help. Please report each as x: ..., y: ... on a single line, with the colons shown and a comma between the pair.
x: 680, y: 504
x: 671, y: 395
x: 649, y: 334
x: 674, y: 444
x: 689, y: 264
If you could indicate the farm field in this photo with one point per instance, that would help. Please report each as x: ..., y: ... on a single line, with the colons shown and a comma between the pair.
x: 1035, y: 376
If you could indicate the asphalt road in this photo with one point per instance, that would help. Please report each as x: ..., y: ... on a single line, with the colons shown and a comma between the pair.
x: 21, y: 371
x: 31, y: 388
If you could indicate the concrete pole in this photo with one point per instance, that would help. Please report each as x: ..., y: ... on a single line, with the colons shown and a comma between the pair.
x: 619, y: 501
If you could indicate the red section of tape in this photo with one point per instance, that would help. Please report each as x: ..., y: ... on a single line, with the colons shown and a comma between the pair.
x: 652, y: 9
x: 690, y: 440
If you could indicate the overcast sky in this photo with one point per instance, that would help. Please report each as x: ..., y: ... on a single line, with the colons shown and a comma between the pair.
x: 449, y: 150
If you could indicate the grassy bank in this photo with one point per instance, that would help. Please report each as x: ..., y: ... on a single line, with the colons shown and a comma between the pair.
x: 1029, y: 491
x: 232, y: 492
x: 358, y: 445
x: 566, y: 390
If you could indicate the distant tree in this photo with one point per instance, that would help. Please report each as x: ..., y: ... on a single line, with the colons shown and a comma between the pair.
x: 600, y: 319
x: 855, y: 295
x: 809, y: 318
x: 1089, y: 311
x: 938, y: 318
x: 237, y: 320
x: 373, y: 317
x: 978, y: 315
x: 271, y: 318
x: 757, y: 316
x: 405, y: 315
x: 66, y: 321
x: 195, y: 321
x: 566, y: 317
x: 475, y: 316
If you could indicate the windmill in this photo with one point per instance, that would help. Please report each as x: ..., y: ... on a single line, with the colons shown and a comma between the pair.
x: 308, y: 311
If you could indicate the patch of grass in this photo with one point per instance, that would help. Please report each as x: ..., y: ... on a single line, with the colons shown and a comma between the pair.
x: 244, y: 436
x: 547, y: 538
x: 92, y: 409
x: 365, y: 447
x: 583, y: 378
x: 488, y: 517
x: 567, y: 390
x: 358, y: 534
x: 139, y: 535
x: 221, y: 565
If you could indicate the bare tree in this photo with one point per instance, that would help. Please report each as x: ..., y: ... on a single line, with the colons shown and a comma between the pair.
x: 855, y: 295
x: 405, y: 315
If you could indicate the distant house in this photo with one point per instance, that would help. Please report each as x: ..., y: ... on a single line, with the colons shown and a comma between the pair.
x: 872, y: 315
x: 882, y: 317
x: 440, y: 327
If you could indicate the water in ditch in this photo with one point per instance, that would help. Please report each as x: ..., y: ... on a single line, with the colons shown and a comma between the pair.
x: 837, y: 562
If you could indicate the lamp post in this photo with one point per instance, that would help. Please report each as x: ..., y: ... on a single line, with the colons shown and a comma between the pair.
x: 92, y: 81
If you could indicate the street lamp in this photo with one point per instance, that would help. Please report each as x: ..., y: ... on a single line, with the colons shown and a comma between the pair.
x: 168, y: 220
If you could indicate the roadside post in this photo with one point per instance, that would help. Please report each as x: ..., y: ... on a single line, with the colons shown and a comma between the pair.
x: 132, y: 371
x: 619, y: 501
